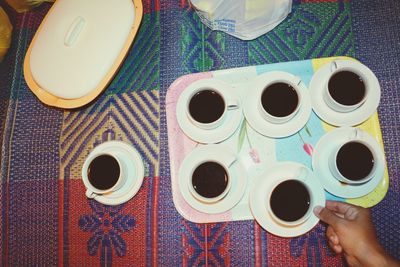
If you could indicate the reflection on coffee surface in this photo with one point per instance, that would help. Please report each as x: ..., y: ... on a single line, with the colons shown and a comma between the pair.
x: 279, y: 99
x: 346, y: 88
x: 290, y: 200
x: 103, y: 172
x: 355, y: 161
x: 206, y: 106
x: 210, y: 179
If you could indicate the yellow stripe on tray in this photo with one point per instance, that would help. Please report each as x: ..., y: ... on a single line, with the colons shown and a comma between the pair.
x: 371, y: 126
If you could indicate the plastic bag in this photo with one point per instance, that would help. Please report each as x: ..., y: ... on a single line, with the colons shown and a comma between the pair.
x: 25, y: 5
x: 5, y: 33
x: 244, y: 19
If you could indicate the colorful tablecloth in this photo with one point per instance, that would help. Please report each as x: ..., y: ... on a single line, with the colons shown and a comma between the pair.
x: 45, y: 218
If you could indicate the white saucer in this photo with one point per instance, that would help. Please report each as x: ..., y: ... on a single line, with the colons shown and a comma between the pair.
x: 135, y: 172
x: 320, y: 158
x: 359, y: 115
x: 219, y: 134
x: 238, y: 176
x: 266, y: 128
x: 259, y: 191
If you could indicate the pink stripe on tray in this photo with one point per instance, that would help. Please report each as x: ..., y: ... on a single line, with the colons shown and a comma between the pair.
x: 179, y: 146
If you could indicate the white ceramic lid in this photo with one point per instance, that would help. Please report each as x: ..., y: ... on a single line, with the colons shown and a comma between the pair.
x: 78, y: 43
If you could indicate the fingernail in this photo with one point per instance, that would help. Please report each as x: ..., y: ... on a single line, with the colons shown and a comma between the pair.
x: 317, y: 210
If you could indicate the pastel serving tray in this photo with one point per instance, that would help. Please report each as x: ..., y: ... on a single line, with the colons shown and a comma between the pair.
x: 257, y: 152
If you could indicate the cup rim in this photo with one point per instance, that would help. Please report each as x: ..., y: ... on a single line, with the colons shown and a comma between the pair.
x: 85, y: 177
x: 278, y: 220
x: 220, y: 88
x: 206, y: 88
x: 206, y: 199
x: 356, y: 70
x: 344, y: 179
x: 295, y: 110
x: 263, y: 81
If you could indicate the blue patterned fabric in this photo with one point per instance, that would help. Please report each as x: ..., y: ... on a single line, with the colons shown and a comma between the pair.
x: 377, y: 42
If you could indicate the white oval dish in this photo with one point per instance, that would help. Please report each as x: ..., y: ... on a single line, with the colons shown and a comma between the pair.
x: 78, y: 48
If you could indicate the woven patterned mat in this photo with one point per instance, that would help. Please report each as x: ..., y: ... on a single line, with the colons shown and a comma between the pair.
x: 46, y: 220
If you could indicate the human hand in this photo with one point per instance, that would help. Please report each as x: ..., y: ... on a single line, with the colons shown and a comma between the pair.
x: 351, y: 232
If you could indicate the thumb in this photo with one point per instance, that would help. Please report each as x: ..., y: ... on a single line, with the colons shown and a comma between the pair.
x: 327, y: 216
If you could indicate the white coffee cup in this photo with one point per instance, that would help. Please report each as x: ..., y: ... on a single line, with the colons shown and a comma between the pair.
x: 219, y: 88
x: 300, y: 177
x: 356, y: 136
x: 226, y: 163
x: 270, y: 78
x: 91, y: 190
x: 355, y: 67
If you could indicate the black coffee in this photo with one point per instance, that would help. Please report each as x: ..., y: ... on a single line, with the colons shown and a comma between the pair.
x: 206, y: 106
x: 103, y: 172
x: 346, y: 88
x: 355, y: 161
x: 279, y: 99
x: 210, y: 179
x: 290, y: 200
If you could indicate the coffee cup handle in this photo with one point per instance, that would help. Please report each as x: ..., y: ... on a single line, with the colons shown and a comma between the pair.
x: 357, y: 134
x: 90, y: 194
x: 334, y: 65
x: 302, y: 174
x: 230, y: 161
x: 232, y: 104
x: 296, y: 80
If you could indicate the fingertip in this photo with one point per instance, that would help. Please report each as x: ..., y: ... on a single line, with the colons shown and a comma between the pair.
x: 334, y: 239
x: 317, y: 210
x: 338, y: 249
x: 326, y: 215
x: 333, y: 205
x: 338, y: 206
